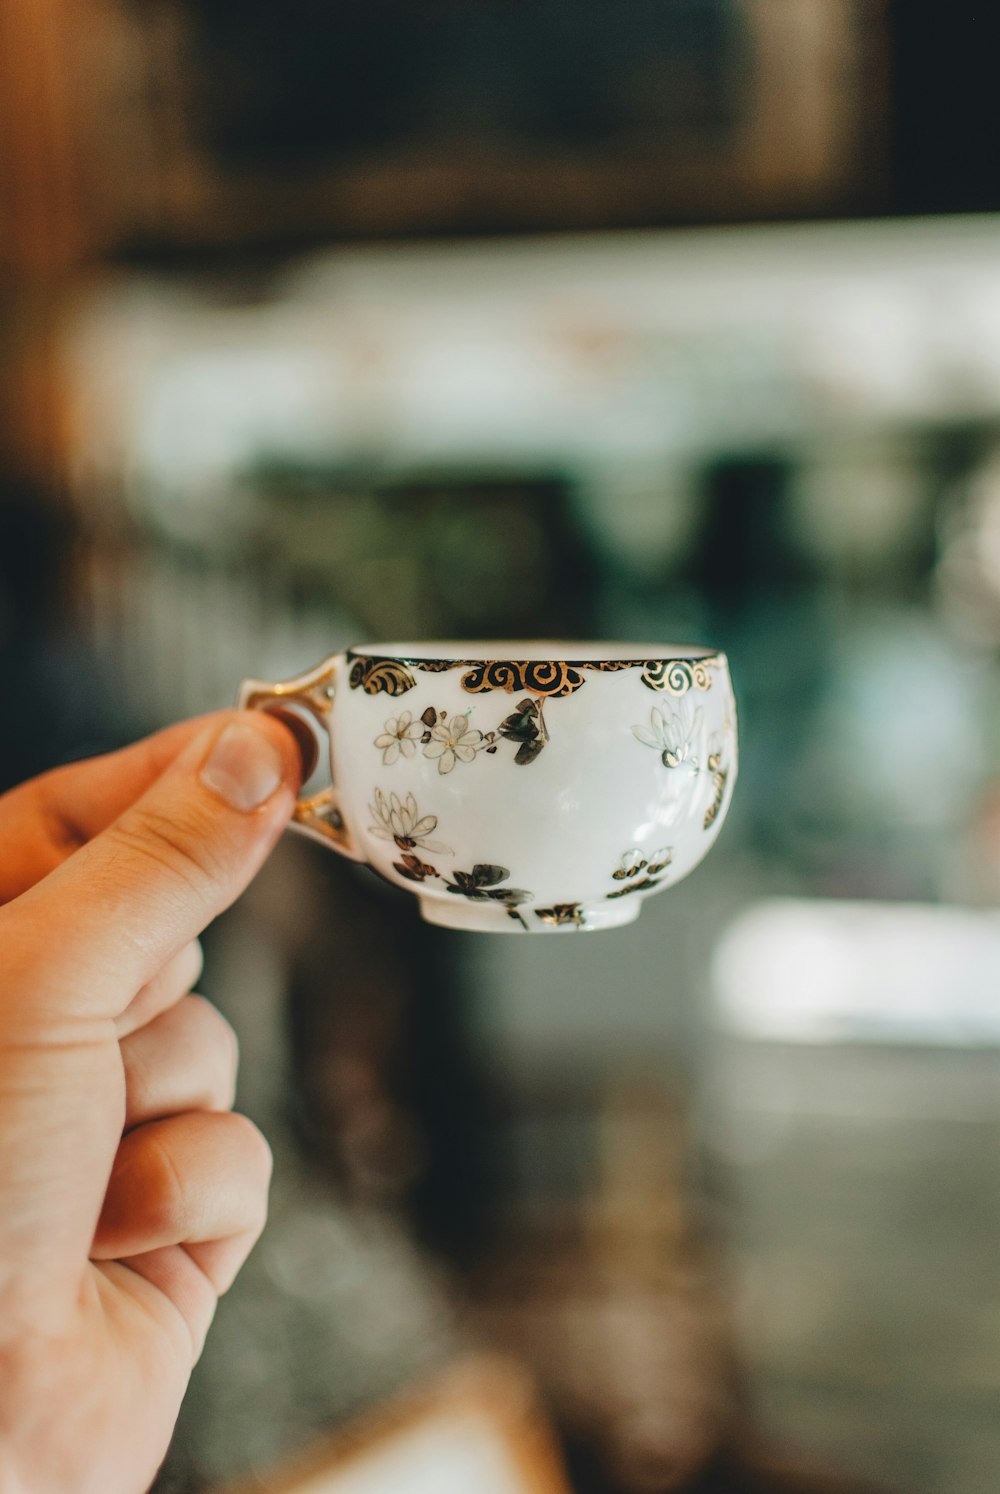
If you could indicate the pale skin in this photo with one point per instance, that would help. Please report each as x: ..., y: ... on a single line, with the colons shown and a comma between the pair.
x: 130, y: 1193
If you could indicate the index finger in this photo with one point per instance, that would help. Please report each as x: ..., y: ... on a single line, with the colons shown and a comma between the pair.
x: 81, y: 942
x: 43, y: 821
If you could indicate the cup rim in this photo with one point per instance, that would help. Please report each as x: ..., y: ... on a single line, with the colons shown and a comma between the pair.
x: 537, y: 651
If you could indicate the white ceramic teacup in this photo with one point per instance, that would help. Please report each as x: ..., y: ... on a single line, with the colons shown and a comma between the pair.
x: 518, y: 786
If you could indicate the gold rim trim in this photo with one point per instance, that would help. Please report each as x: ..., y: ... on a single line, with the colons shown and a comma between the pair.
x: 548, y: 678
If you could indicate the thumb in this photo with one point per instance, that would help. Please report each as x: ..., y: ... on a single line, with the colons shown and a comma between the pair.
x: 125, y: 903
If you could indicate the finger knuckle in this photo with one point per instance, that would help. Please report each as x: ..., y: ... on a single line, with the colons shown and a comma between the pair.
x: 191, y: 963
x: 256, y: 1151
x: 176, y: 978
x: 219, y: 1046
x: 254, y: 1170
x: 177, y: 842
x: 163, y: 1191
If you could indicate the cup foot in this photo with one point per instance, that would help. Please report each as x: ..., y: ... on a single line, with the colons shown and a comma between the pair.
x: 563, y: 918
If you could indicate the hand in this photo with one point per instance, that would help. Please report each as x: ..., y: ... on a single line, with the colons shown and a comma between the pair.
x: 130, y: 1195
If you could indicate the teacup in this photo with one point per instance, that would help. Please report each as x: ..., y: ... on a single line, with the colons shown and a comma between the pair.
x: 515, y: 787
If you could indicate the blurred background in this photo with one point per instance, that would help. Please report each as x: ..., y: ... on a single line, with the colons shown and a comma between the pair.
x: 323, y: 324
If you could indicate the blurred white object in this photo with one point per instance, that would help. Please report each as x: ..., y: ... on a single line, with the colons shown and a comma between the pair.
x: 800, y: 971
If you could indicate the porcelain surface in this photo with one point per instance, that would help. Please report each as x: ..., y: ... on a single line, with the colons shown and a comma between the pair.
x: 543, y: 788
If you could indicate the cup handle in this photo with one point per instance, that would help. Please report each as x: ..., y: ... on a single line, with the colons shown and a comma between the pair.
x: 305, y: 704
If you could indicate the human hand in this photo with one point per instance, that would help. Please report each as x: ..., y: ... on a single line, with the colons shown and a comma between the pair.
x: 130, y: 1195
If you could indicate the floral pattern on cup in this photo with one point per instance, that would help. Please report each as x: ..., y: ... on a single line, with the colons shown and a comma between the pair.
x: 629, y: 865
x: 670, y: 732
x: 445, y: 740
x: 720, y: 777
x: 632, y: 863
x: 452, y: 741
x: 399, y: 738
x: 400, y: 820
x: 413, y: 869
x: 526, y: 727
x: 482, y: 885
x: 673, y: 734
x: 562, y: 915
x: 721, y: 754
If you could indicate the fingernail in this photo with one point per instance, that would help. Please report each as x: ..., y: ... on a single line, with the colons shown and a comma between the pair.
x: 244, y: 767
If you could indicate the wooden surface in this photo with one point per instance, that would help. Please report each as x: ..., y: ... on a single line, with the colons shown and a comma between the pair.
x: 477, y: 1427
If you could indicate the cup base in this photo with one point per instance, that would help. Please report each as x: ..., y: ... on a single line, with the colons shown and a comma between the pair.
x: 564, y: 918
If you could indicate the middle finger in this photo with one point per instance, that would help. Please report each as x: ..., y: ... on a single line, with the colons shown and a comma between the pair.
x: 185, y: 1059
x: 176, y: 978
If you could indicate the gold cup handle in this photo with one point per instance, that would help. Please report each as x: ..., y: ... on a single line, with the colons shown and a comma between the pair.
x: 305, y: 704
